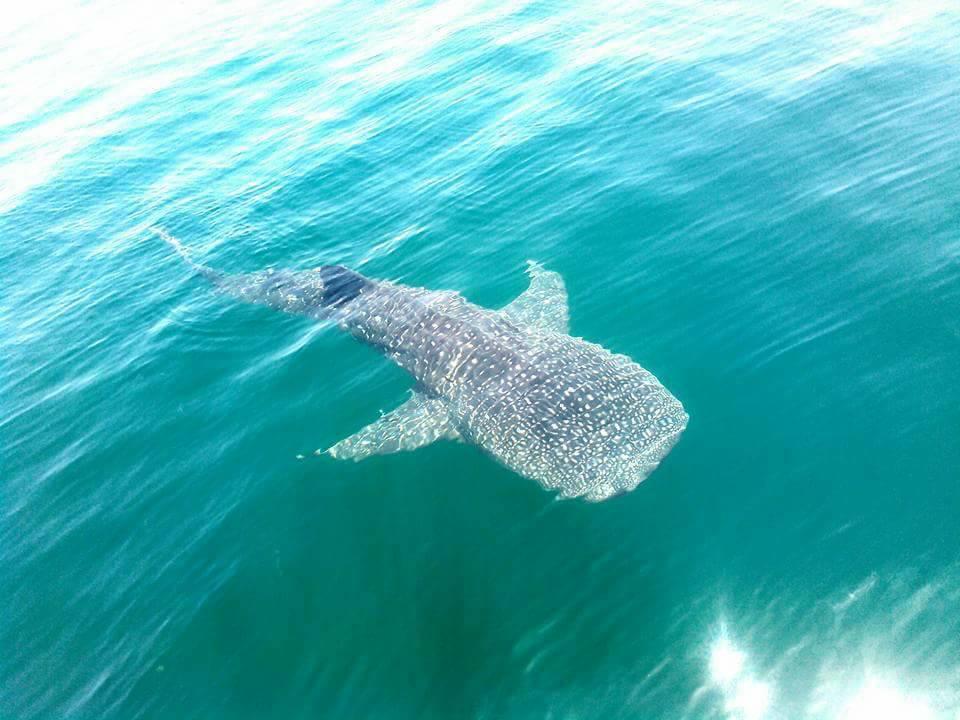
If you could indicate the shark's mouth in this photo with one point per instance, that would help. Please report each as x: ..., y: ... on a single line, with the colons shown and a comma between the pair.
x: 644, y: 463
x: 660, y: 450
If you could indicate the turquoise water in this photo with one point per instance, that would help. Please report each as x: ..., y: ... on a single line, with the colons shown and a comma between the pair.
x: 760, y: 204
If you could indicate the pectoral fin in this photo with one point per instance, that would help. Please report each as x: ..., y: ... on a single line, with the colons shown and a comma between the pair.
x: 417, y: 422
x: 543, y: 305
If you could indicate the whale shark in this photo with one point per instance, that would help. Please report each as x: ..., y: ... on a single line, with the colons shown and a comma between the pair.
x: 557, y: 409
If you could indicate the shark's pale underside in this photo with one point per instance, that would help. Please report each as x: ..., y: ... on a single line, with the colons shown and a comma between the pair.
x: 554, y: 408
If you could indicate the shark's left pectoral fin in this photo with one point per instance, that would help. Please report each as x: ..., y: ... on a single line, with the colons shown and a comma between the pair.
x: 543, y: 305
x: 417, y: 422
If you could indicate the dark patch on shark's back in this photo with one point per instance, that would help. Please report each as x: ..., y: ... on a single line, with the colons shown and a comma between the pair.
x: 341, y: 285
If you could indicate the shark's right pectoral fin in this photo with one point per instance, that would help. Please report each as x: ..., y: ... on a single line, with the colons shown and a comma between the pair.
x: 417, y: 422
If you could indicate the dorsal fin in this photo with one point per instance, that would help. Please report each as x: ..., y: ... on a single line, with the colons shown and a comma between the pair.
x: 340, y: 284
x: 543, y: 305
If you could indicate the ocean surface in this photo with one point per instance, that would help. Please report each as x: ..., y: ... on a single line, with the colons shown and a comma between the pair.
x: 758, y: 202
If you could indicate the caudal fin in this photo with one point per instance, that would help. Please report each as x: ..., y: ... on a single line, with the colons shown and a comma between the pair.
x: 178, y: 248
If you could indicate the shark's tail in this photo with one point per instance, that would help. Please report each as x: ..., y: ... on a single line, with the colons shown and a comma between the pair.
x: 318, y: 293
x: 209, y: 273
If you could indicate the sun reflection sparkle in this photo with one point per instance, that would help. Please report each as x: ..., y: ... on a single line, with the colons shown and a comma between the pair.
x: 745, y: 697
x: 879, y: 701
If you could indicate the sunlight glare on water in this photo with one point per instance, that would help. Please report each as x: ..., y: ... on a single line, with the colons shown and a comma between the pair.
x: 861, y: 691
x: 879, y: 701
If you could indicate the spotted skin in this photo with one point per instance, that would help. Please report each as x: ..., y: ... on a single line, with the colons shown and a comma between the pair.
x: 565, y: 412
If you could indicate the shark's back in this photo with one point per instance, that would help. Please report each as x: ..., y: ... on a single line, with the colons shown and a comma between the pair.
x: 555, y: 408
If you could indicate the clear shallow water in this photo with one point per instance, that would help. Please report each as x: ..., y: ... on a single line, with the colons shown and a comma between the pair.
x: 759, y: 205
